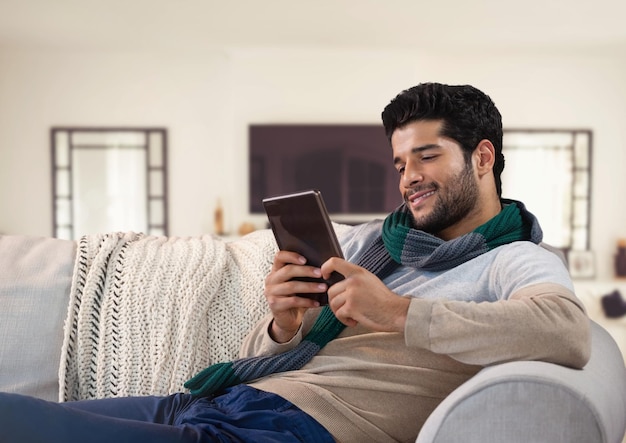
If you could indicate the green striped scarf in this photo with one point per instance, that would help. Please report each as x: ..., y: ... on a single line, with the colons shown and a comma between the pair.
x: 398, y: 244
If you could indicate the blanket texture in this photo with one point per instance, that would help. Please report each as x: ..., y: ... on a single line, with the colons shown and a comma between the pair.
x: 146, y: 313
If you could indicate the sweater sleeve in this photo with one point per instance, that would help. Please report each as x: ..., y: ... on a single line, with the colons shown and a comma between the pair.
x: 539, y: 322
x: 259, y: 342
x: 531, y: 313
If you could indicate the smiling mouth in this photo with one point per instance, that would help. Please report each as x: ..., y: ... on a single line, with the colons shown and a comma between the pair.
x: 417, y: 198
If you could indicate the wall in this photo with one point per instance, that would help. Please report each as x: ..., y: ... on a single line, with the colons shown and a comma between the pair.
x: 207, y: 100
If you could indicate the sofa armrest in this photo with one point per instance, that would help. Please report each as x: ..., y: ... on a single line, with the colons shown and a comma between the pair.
x: 538, y: 402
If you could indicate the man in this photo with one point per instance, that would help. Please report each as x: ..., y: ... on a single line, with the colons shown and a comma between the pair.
x: 451, y: 281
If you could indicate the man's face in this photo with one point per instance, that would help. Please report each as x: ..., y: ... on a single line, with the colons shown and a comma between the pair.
x: 438, y: 186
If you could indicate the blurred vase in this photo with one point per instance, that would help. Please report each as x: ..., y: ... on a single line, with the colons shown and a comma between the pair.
x: 620, y: 258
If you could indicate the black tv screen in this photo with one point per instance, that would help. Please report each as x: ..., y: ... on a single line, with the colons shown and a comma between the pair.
x: 351, y: 164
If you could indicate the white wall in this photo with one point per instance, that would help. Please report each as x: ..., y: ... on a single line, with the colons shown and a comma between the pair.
x: 207, y: 100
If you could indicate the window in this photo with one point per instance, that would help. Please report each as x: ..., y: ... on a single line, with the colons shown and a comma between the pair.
x: 550, y: 171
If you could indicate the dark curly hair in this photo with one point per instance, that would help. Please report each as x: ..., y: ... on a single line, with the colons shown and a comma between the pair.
x: 468, y: 116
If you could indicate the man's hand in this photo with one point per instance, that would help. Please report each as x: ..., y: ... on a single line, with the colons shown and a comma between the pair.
x: 363, y: 298
x: 280, y: 292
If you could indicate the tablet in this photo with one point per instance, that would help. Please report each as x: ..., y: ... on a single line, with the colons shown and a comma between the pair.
x: 301, y: 224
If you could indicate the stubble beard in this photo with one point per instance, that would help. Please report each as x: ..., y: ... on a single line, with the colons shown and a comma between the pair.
x: 453, y: 203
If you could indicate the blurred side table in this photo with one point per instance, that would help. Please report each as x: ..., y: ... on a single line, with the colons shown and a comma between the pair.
x: 590, y: 292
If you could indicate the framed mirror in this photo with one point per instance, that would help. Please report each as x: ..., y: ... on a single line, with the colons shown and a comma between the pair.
x: 550, y: 171
x: 108, y: 179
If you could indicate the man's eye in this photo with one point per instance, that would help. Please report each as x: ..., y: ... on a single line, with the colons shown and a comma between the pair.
x: 401, y: 170
x: 428, y: 157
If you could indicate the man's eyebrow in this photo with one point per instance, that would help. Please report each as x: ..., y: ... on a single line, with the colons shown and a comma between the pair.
x: 417, y: 149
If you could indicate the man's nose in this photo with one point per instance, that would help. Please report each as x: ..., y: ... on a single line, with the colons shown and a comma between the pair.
x: 412, y: 175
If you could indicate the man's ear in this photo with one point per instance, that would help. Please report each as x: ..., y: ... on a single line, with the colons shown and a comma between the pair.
x: 484, y: 157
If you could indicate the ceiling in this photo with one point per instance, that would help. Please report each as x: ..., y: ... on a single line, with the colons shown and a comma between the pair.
x: 372, y: 24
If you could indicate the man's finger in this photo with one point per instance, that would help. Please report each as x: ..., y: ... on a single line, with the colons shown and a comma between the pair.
x: 339, y: 265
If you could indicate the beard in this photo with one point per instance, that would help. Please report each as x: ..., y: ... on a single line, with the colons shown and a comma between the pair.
x: 453, y: 202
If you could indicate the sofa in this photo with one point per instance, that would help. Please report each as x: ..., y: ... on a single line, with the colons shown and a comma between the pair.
x: 513, y: 402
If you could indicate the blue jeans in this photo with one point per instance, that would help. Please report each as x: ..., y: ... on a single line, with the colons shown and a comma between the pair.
x: 242, y: 414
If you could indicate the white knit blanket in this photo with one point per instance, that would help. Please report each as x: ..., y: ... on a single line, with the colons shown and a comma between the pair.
x: 147, y: 313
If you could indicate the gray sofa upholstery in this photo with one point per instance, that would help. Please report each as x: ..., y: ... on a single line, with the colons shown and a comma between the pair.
x: 522, y: 402
x: 512, y: 402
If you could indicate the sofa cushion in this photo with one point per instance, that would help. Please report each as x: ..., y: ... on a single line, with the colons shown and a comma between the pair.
x: 35, y: 278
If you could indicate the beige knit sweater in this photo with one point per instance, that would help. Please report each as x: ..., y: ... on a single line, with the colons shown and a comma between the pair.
x: 380, y: 387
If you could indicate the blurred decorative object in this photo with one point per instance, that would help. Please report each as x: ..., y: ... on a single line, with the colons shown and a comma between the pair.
x: 109, y: 179
x: 246, y: 228
x: 550, y: 171
x: 620, y: 258
x: 614, y: 305
x: 581, y: 264
x: 219, y: 218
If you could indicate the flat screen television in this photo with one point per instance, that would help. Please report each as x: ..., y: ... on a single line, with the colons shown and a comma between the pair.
x: 350, y: 163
